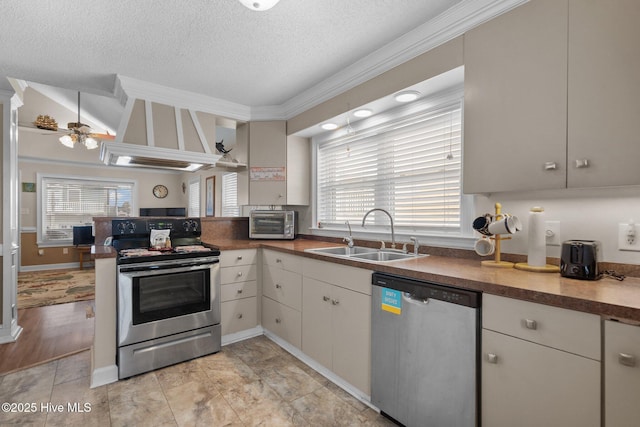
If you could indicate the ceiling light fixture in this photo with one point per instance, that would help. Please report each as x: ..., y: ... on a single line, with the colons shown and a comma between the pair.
x: 329, y: 126
x: 407, y: 96
x: 259, y: 5
x: 363, y: 112
x: 79, y: 132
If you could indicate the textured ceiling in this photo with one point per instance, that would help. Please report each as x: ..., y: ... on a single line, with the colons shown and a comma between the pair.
x: 216, y: 48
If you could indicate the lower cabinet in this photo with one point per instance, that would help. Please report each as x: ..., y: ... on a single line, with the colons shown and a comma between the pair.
x: 336, y: 320
x: 238, y: 290
x: 527, y: 380
x: 282, y: 320
x: 621, y: 374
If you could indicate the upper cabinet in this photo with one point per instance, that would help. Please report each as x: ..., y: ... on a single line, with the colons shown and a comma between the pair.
x: 515, y: 100
x: 552, y: 89
x: 279, y: 166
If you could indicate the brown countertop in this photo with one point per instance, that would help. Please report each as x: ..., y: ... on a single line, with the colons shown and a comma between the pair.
x: 606, y: 297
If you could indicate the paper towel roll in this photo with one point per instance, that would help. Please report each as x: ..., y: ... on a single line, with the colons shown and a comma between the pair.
x: 537, y: 254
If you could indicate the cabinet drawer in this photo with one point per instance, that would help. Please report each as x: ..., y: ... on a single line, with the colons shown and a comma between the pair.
x: 282, y: 286
x: 238, y: 257
x: 283, y: 260
x: 283, y: 321
x: 238, y: 315
x: 239, y: 273
x: 238, y: 290
x: 621, y: 373
x: 567, y: 330
x: 356, y: 279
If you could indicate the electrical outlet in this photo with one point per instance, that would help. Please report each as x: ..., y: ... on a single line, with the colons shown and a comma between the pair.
x: 65, y: 251
x: 41, y: 252
x: 628, y: 239
x: 552, y: 233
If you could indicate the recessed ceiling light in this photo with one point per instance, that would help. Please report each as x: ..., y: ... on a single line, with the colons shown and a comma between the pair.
x: 363, y: 112
x: 329, y: 126
x: 407, y: 96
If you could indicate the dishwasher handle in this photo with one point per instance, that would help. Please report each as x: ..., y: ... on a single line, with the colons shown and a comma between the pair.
x: 414, y: 299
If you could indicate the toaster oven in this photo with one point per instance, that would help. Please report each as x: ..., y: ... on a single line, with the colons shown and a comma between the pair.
x: 272, y: 224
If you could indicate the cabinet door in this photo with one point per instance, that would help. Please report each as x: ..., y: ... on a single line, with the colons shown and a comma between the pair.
x: 282, y: 286
x: 604, y: 92
x: 530, y: 385
x: 238, y: 315
x: 317, y: 340
x: 267, y: 148
x: 283, y: 321
x: 621, y: 374
x: 515, y: 104
x: 351, y: 324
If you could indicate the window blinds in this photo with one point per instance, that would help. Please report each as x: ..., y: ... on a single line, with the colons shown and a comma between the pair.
x: 410, y: 166
x: 230, y: 195
x: 194, y: 198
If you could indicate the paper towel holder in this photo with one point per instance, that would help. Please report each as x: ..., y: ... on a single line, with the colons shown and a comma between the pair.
x: 547, y: 268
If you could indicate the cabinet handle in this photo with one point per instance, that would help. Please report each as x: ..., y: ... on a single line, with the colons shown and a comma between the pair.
x: 278, y: 260
x: 492, y: 358
x: 582, y: 163
x: 278, y: 286
x: 549, y: 166
x: 278, y: 320
x: 240, y: 316
x: 325, y: 299
x: 239, y: 257
x: 627, y: 359
x: 530, y: 324
x: 335, y: 302
x: 239, y: 291
x: 239, y: 273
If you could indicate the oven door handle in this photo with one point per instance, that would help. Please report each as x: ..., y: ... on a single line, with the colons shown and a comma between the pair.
x: 134, y: 271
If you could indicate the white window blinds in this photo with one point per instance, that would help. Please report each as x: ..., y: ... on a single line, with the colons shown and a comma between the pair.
x: 409, y: 166
x: 230, y: 195
x: 65, y: 202
x: 194, y: 198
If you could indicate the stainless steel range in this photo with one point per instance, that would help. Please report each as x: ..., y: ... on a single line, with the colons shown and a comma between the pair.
x: 168, y: 296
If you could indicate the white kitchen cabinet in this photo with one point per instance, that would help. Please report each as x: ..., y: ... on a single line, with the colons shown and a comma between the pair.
x: 238, y: 290
x: 621, y: 360
x: 552, y: 96
x: 604, y: 92
x: 515, y: 100
x: 272, y: 151
x: 540, y: 365
x: 336, y: 320
x: 282, y: 295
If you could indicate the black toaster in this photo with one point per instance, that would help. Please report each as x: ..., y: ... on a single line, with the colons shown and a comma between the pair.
x: 579, y: 259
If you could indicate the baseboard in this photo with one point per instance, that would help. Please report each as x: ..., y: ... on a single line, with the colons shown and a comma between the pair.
x: 40, y: 267
x: 242, y: 335
x: 14, y: 333
x: 104, y: 375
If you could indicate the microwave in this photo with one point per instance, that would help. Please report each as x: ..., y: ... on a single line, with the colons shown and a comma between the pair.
x: 272, y: 224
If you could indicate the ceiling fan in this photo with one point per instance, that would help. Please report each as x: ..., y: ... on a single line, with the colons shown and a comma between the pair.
x: 79, y: 132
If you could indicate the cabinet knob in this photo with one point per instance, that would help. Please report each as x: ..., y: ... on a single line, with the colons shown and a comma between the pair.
x: 530, y: 324
x: 278, y: 286
x: 549, y: 166
x: 239, y: 291
x: 492, y: 358
x: 239, y: 257
x: 240, y: 316
x: 278, y: 320
x: 335, y: 302
x: 581, y: 163
x: 325, y: 299
x: 278, y: 260
x: 239, y: 273
x: 627, y: 359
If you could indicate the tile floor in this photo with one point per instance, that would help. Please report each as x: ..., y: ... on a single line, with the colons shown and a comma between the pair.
x: 250, y: 383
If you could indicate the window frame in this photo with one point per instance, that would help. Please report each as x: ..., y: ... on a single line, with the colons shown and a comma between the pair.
x: 41, y: 202
x: 462, y: 238
x: 223, y: 195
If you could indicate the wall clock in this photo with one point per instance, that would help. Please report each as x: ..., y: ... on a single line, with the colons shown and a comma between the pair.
x: 160, y: 191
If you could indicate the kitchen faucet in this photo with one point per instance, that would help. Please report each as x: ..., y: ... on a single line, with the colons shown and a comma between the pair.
x: 348, y: 239
x: 393, y: 236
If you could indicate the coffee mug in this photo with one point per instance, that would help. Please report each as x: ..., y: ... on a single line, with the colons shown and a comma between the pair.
x: 507, y: 225
x: 484, y: 246
x: 481, y: 224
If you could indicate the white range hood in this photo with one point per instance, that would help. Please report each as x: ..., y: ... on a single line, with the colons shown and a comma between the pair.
x: 134, y: 155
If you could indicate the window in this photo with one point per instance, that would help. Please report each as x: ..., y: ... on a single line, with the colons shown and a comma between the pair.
x: 230, y: 195
x: 194, y: 197
x: 410, y: 165
x: 67, y: 201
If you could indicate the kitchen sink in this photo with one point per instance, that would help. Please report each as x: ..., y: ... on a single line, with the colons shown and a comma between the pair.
x: 361, y: 253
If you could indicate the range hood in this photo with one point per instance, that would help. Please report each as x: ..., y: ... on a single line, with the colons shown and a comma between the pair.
x: 142, y: 156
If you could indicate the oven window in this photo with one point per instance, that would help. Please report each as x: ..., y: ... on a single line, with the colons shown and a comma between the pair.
x: 269, y: 225
x: 169, y: 295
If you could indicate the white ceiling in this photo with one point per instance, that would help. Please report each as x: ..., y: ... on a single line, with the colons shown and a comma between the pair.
x: 216, y: 48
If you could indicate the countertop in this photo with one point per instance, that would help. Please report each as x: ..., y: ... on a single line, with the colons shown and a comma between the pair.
x: 607, y: 297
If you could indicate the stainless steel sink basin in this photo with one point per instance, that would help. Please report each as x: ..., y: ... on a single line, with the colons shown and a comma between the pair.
x: 344, y: 251
x: 361, y: 253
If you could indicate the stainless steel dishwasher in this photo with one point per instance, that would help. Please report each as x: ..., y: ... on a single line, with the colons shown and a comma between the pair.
x: 425, y: 352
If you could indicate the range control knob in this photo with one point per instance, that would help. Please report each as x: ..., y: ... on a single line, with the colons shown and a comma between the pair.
x: 131, y: 227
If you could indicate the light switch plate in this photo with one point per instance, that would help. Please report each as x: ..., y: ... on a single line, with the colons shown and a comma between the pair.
x: 628, y: 238
x: 552, y: 233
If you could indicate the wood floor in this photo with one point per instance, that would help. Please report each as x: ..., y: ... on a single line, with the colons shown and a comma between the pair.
x: 48, y: 333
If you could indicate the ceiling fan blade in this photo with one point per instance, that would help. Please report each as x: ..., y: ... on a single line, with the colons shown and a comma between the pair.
x: 102, y: 136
